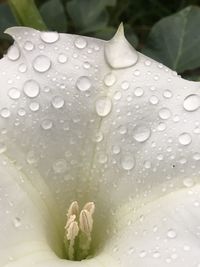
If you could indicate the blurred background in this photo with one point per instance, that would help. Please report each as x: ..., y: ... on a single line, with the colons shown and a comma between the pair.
x: 166, y: 30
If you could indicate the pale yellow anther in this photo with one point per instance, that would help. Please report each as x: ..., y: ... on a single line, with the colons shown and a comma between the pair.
x: 72, y: 231
x: 90, y: 207
x: 73, y: 209
x: 70, y: 220
x: 86, y: 222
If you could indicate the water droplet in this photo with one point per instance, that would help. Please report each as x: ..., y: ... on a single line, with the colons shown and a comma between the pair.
x: 60, y: 166
x: 127, y: 162
x: 17, y: 222
x: 31, y: 88
x: 167, y: 94
x: 138, y: 91
x: 153, y: 100
x: 31, y: 157
x: 47, y: 124
x: 83, y: 83
x: 62, y: 58
x: 41, y: 63
x: 185, y: 139
x: 29, y: 46
x: 147, y: 62
x: 49, y: 37
x: 191, y: 102
x: 34, y: 106
x: 116, y: 149
x: 119, y: 53
x: 22, y: 68
x: 80, y: 43
x: 58, y: 102
x: 3, y: 147
x: 14, y: 93
x: 188, y: 182
x: 103, y: 106
x: 13, y: 53
x: 125, y: 85
x: 102, y: 158
x: 5, y: 113
x: 171, y: 233
x: 141, y: 133
x: 109, y: 79
x: 196, y: 156
x: 164, y: 113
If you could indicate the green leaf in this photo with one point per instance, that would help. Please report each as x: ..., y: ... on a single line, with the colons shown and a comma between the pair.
x: 89, y: 15
x: 27, y: 13
x: 54, y: 15
x: 6, y: 18
x: 175, y: 40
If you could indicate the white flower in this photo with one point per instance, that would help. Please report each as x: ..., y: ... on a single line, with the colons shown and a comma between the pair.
x: 93, y: 121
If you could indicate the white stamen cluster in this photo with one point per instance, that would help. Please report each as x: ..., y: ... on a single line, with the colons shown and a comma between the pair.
x: 78, y: 230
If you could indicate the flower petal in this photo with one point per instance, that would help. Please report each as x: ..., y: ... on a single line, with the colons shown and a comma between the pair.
x: 164, y: 233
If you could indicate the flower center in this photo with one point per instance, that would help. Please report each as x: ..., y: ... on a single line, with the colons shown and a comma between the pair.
x: 78, y: 230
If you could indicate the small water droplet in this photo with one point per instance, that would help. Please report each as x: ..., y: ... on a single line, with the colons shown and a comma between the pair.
x: 29, y: 46
x: 80, y: 43
x: 191, y: 102
x: 164, y: 113
x: 17, y: 222
x: 83, y: 83
x: 14, y: 93
x: 141, y: 133
x: 47, y: 124
x: 103, y: 106
x: 13, y: 53
x: 3, y: 147
x: 196, y: 156
x: 62, y: 58
x: 171, y: 233
x: 185, y: 139
x: 49, y: 37
x: 34, y: 106
x: 138, y: 91
x: 41, y: 63
x: 153, y: 100
x: 127, y: 162
x: 5, y: 113
x: 167, y: 94
x: 31, y: 88
x: 31, y: 157
x: 60, y: 166
x: 109, y: 79
x: 188, y: 182
x: 58, y: 102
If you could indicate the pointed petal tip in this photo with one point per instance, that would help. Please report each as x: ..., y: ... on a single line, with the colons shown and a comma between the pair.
x: 120, y: 30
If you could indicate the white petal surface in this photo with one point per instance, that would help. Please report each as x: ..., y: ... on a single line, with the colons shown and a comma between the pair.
x: 83, y: 123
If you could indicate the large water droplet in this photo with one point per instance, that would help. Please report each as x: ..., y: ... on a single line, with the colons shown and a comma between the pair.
x: 42, y: 63
x: 49, y: 37
x: 14, y: 93
x: 103, y: 106
x: 80, y: 43
x: 185, y: 139
x: 31, y: 88
x: 141, y: 133
x: 191, y: 102
x: 13, y: 53
x: 119, y: 53
x: 83, y: 83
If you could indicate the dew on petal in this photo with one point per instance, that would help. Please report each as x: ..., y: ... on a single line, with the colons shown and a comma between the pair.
x: 46, y: 124
x: 3, y: 147
x: 191, y: 102
x: 103, y: 106
x: 109, y: 79
x: 34, y: 106
x: 60, y: 166
x: 138, y: 91
x: 49, y: 37
x: 31, y: 88
x: 127, y: 162
x: 83, y: 83
x: 171, y: 233
x: 5, y: 113
x: 62, y: 58
x: 58, y: 102
x: 188, y: 182
x: 42, y: 63
x: 80, y: 43
x: 29, y: 46
x: 164, y: 113
x: 13, y: 53
x: 14, y: 93
x: 17, y: 222
x: 141, y: 133
x: 185, y: 139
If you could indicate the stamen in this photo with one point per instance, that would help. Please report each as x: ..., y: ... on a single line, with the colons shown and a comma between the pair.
x: 78, y: 230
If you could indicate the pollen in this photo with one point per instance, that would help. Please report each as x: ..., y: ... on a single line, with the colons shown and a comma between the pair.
x: 78, y: 229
